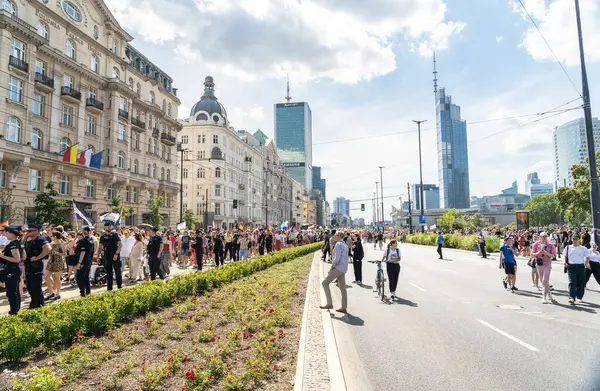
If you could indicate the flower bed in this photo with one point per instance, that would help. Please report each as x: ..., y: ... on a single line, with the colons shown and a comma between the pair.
x: 462, y: 242
x: 61, y: 323
x: 242, y: 336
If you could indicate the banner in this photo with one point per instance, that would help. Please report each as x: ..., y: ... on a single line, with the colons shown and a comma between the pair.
x: 522, y: 219
x: 181, y: 226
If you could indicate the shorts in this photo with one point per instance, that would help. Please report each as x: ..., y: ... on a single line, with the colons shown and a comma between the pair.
x: 185, y: 251
x: 509, y: 268
x: 72, y: 260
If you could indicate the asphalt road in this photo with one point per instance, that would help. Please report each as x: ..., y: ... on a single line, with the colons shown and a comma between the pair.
x: 456, y: 328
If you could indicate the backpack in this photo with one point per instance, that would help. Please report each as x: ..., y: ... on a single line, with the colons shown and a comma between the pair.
x: 387, y: 253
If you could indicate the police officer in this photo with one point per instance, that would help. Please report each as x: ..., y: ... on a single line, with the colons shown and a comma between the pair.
x: 198, y: 243
x: 84, y: 252
x: 154, y: 250
x: 36, y: 249
x: 11, y: 256
x: 110, y: 248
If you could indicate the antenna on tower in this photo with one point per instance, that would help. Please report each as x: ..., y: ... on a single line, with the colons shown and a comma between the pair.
x: 288, y: 98
x: 435, y: 72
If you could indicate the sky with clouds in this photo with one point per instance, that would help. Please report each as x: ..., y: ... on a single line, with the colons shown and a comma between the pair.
x: 365, y: 69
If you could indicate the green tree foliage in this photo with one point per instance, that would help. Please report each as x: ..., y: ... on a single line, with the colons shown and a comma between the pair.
x: 449, y: 219
x: 543, y: 209
x: 190, y: 219
x: 49, y: 209
x: 155, y: 204
x: 115, y: 207
x: 574, y: 202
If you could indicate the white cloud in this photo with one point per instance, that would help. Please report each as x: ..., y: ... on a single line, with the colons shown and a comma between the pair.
x: 254, y: 112
x: 347, y: 41
x: 556, y: 20
x: 499, y: 39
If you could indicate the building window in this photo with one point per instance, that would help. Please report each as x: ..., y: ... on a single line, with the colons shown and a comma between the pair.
x: 89, y: 188
x: 163, y: 152
x: 121, y: 159
x: 36, y: 139
x: 13, y: 130
x: 35, y: 180
x: 135, y: 166
x: 90, y: 127
x: 42, y: 30
x: 162, y: 174
x: 18, y: 49
x: 152, y: 98
x: 64, y: 185
x: 15, y: 89
x: 218, y: 209
x: 215, y: 139
x: 138, y: 89
x: 95, y: 34
x: 186, y: 155
x: 8, y: 6
x: 149, y: 171
x: 168, y: 175
x: 67, y: 115
x: 218, y: 172
x: 40, y: 67
x: 121, y: 132
x: 169, y: 110
x: 184, y: 139
x: 68, y: 80
x: 92, y: 93
x: 184, y: 173
x: 164, y: 106
x: 71, y: 11
x: 3, y: 173
x: 135, y: 141
x: 115, y: 47
x: 115, y: 73
x: 135, y: 195
x: 127, y: 194
x: 65, y: 143
x: 94, y: 64
x: 39, y: 104
x: 131, y: 83
x: 110, y: 192
x: 123, y: 104
x: 154, y: 171
x: 70, y: 49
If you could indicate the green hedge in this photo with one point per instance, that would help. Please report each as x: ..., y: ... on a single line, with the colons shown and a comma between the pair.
x: 463, y: 242
x: 59, y: 323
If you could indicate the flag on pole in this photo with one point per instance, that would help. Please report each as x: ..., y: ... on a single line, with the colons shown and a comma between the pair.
x: 70, y: 155
x: 79, y: 215
x: 96, y: 160
x: 85, y: 157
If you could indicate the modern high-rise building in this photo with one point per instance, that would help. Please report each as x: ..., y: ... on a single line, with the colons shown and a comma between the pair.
x: 431, y: 196
x: 533, y: 185
x: 570, y: 147
x: 318, y: 182
x: 293, y: 138
x: 453, y: 155
x: 341, y: 206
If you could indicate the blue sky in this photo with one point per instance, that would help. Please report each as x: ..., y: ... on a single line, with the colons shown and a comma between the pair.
x: 365, y: 69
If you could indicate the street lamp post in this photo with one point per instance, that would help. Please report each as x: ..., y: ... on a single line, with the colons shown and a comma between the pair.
x: 381, y: 184
x: 589, y: 127
x: 377, y: 200
x: 420, y: 171
x: 182, y: 150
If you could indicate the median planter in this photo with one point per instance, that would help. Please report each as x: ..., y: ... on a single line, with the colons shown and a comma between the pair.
x: 61, y: 323
x: 458, y: 241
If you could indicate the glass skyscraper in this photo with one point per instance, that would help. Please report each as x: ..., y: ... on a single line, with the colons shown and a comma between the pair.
x: 453, y: 156
x: 319, y: 183
x: 293, y: 138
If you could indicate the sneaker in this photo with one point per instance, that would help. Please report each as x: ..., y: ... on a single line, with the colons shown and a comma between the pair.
x: 578, y: 301
x: 25, y: 294
x: 514, y: 288
x: 355, y: 282
x: 571, y: 301
x: 545, y: 300
x: 50, y: 296
x: 505, y: 284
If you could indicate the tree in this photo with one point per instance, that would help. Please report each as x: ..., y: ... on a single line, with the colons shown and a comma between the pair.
x: 543, y: 210
x: 49, y: 209
x: 155, y: 204
x: 448, y: 219
x: 190, y: 219
x: 9, y: 210
x: 115, y: 207
x: 574, y: 202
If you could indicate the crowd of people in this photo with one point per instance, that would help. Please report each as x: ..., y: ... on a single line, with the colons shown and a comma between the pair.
x: 49, y: 256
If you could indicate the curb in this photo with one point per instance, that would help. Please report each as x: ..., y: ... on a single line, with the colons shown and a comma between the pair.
x: 299, y: 378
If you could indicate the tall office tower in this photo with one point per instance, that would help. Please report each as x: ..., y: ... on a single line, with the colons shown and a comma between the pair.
x: 318, y: 182
x: 341, y: 206
x: 431, y: 196
x: 293, y: 139
x: 570, y: 147
x: 453, y: 156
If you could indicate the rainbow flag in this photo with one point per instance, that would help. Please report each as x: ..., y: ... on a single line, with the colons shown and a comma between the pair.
x: 4, y: 224
x: 270, y: 227
x: 241, y: 227
x: 70, y: 155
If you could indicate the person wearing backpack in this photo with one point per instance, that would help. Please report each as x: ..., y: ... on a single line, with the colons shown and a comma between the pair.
x: 576, y: 261
x: 392, y: 262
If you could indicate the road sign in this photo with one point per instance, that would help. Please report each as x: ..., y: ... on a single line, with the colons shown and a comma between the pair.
x: 423, y: 220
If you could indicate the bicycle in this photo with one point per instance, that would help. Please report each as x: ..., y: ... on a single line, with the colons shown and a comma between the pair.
x: 379, y: 280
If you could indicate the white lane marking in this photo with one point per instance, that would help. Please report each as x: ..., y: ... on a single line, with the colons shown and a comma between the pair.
x: 418, y: 287
x: 517, y: 340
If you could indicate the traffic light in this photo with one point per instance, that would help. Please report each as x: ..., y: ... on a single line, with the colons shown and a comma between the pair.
x: 234, y: 204
x: 334, y: 223
x: 362, y: 207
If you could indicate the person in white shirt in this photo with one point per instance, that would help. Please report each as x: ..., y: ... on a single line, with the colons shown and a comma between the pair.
x: 392, y: 258
x: 339, y: 267
x: 576, y: 260
x: 594, y: 265
x: 127, y: 244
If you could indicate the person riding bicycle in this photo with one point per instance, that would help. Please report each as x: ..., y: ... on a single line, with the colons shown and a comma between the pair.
x: 392, y: 259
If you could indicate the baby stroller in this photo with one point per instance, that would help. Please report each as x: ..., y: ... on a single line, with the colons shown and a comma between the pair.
x: 97, y: 275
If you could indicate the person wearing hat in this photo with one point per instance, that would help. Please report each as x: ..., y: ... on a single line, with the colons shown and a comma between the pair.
x: 84, y: 252
x: 11, y: 255
x: 37, y: 250
x: 154, y: 250
x: 110, y: 247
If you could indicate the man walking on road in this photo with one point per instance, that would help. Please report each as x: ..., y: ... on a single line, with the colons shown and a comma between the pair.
x: 339, y: 267
x: 440, y: 242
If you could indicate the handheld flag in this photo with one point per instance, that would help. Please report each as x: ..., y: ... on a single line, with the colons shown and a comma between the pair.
x: 4, y: 224
x: 70, y: 155
x: 96, y: 160
x: 181, y: 226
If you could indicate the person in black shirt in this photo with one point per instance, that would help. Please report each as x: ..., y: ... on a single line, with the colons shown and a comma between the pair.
x: 261, y: 243
x: 36, y: 250
x: 185, y: 248
x: 11, y: 256
x: 154, y: 250
x: 359, y: 254
x: 84, y: 253
x: 110, y: 248
x: 218, y: 250
x: 269, y: 242
x: 198, y: 243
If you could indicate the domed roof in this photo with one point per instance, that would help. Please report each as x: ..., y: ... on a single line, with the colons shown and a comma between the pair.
x: 208, y: 102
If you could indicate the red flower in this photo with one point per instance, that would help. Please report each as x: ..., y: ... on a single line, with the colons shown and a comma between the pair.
x: 78, y: 334
x: 151, y: 380
x: 246, y: 335
x: 148, y: 321
x: 271, y: 311
x: 212, y: 339
x: 275, y: 367
x: 65, y: 378
x: 172, y: 297
x: 273, y: 339
x: 190, y: 375
x: 184, y: 388
x: 280, y: 331
x: 211, y: 377
x: 195, y: 294
x: 185, y: 359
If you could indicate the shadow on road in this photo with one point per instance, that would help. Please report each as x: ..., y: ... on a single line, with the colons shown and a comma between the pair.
x: 402, y: 301
x: 350, y: 319
x: 578, y: 307
x: 366, y: 286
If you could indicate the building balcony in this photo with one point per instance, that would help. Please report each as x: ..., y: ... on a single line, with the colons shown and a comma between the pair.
x: 70, y: 94
x: 94, y: 105
x: 155, y: 133
x: 167, y: 139
x: 123, y: 114
x: 138, y: 125
x: 44, y: 81
x: 18, y: 64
